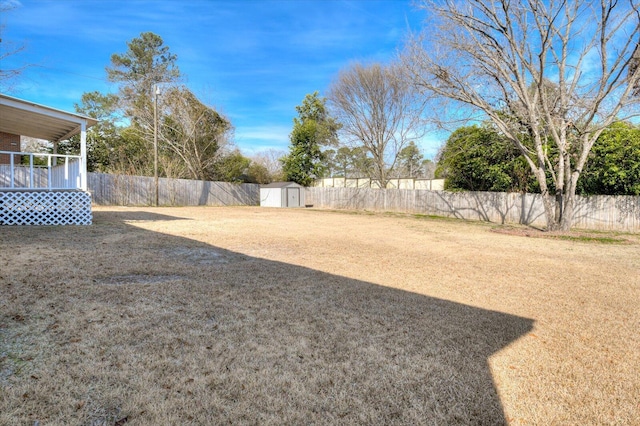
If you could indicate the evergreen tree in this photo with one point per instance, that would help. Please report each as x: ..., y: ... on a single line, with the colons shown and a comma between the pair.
x: 312, y: 129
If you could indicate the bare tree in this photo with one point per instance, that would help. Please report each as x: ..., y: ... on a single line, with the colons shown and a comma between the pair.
x: 551, y: 75
x: 193, y: 137
x: 379, y: 110
x: 8, y: 48
x: 633, y: 66
x: 270, y: 160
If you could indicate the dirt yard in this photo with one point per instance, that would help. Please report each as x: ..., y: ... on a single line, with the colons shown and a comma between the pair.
x: 267, y: 316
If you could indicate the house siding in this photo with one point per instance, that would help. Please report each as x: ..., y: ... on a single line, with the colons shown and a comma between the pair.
x: 9, y: 142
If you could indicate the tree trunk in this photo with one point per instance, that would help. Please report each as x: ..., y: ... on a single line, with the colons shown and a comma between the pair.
x: 567, y: 217
x: 569, y: 201
x: 559, y: 207
x: 550, y: 211
x: 548, y: 201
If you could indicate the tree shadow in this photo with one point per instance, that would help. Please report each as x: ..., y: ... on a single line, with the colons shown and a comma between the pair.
x: 498, y: 207
x: 607, y: 212
x: 226, y: 194
x: 272, y: 342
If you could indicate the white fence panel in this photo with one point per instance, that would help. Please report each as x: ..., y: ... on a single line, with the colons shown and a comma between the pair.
x: 65, y: 175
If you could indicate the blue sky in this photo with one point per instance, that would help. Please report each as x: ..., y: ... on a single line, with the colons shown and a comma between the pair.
x: 252, y: 60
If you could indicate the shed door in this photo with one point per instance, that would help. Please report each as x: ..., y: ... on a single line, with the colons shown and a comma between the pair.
x: 293, y: 197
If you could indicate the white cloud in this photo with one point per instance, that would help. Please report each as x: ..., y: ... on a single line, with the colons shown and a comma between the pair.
x: 253, y: 139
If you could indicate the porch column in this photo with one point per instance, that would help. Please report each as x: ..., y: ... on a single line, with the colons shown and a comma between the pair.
x: 83, y: 155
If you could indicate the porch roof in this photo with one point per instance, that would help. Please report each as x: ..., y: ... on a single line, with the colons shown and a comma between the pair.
x: 20, y: 117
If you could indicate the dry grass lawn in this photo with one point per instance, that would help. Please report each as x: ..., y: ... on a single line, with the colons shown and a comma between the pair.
x: 265, y: 316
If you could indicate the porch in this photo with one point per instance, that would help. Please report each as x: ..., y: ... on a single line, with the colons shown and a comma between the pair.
x: 40, y: 171
x: 42, y: 188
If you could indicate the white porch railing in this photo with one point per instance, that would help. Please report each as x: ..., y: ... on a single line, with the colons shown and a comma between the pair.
x: 51, y: 176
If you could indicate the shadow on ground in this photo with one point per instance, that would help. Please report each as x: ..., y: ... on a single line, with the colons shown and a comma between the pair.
x: 133, y: 215
x: 170, y: 330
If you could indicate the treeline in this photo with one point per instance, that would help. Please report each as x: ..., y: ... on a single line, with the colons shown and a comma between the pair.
x: 474, y: 158
x: 327, y: 142
x: 194, y: 141
x: 155, y: 122
x: 353, y: 162
x: 552, y: 115
x: 480, y: 158
x: 367, y: 127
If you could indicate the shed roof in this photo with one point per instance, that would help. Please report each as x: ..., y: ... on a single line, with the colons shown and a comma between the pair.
x: 281, y: 185
x: 20, y: 117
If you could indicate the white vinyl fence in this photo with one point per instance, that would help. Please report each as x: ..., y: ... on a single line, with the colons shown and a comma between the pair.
x: 395, y: 183
x: 60, y: 172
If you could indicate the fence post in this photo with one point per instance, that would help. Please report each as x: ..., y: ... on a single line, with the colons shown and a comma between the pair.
x: 11, y: 172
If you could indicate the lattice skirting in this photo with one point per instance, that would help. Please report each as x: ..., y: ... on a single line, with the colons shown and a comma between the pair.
x: 45, y: 208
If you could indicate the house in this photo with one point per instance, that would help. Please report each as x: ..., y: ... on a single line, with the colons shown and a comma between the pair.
x: 282, y: 194
x: 42, y: 188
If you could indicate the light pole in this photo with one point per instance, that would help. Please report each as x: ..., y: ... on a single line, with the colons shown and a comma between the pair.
x: 155, y: 140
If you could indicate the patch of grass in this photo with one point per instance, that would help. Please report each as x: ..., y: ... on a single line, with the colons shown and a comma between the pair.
x: 590, y: 236
x: 400, y: 214
x: 590, y: 239
x: 448, y: 219
x: 348, y: 212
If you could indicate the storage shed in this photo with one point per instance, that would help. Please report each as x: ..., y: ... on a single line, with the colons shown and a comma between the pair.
x: 282, y: 194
